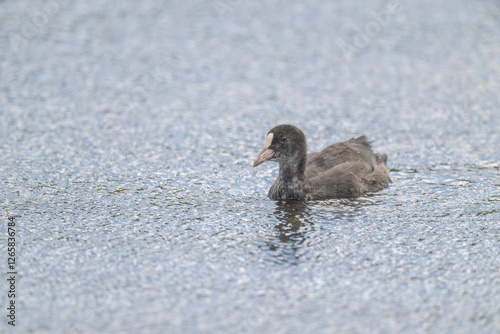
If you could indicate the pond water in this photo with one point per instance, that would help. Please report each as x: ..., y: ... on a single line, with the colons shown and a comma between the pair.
x: 128, y: 132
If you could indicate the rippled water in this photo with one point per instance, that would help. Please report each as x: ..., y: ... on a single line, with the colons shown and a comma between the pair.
x: 127, y: 137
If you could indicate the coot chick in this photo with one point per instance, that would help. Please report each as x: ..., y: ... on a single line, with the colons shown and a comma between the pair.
x: 342, y: 170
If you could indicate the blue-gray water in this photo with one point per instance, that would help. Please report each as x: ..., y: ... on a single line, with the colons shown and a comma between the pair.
x: 127, y: 135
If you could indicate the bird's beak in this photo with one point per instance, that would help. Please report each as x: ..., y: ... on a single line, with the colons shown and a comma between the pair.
x: 266, y: 153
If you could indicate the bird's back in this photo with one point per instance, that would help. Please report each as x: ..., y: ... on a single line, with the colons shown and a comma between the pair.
x: 346, y: 169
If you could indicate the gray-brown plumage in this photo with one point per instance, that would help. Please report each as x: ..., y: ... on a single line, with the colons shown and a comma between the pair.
x: 345, y: 169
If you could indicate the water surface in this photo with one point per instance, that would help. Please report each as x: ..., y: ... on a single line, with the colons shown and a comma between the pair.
x: 128, y: 132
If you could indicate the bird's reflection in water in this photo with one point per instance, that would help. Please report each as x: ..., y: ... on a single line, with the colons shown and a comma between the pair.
x: 291, y: 230
x: 295, y: 223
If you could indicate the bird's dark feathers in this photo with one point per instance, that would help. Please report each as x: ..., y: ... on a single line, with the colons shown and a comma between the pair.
x: 345, y: 169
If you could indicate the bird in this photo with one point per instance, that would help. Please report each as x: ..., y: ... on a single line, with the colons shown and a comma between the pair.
x: 346, y: 169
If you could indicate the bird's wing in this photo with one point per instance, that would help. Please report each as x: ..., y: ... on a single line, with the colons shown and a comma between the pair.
x: 354, y: 150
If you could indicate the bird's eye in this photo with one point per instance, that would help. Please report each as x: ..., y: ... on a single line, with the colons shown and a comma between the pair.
x: 283, y: 139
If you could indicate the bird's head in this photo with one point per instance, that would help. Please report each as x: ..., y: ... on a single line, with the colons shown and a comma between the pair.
x: 285, y: 144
